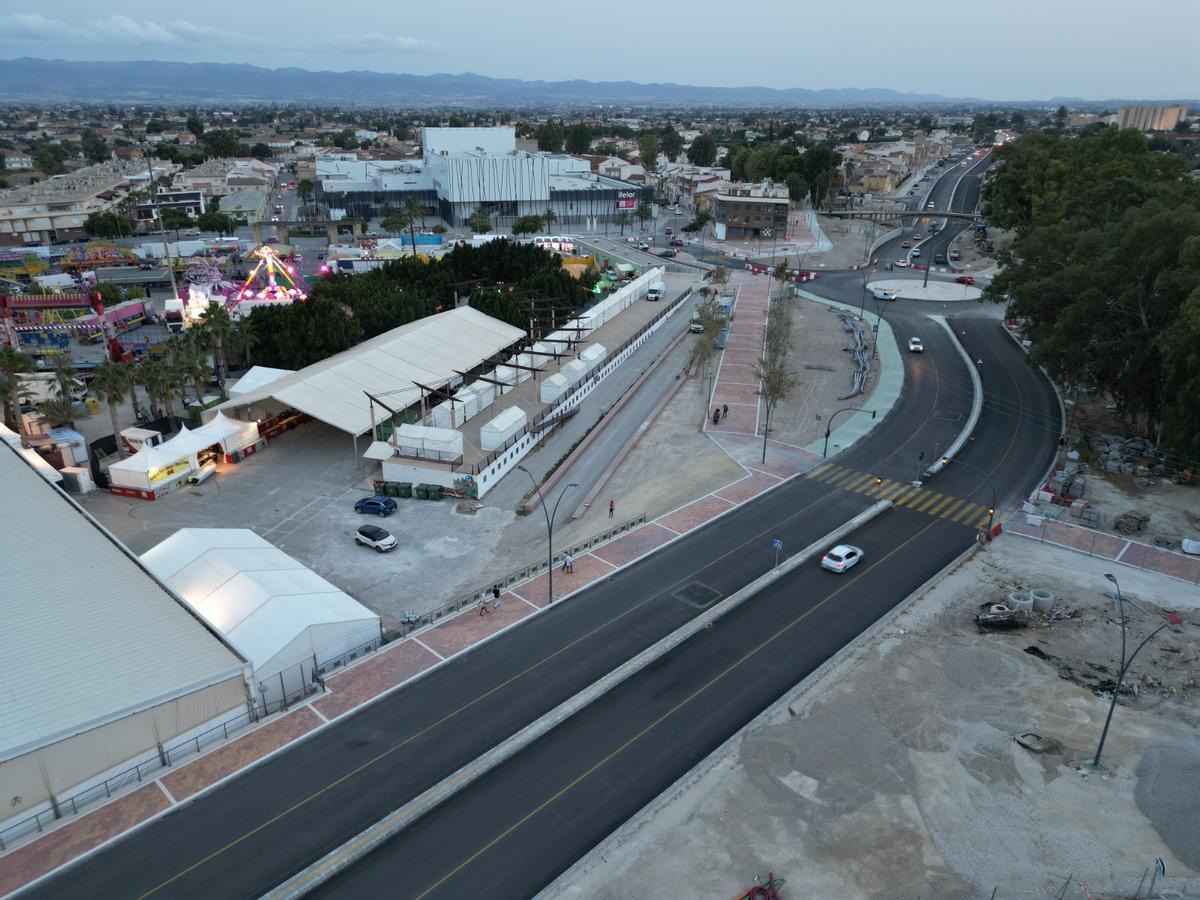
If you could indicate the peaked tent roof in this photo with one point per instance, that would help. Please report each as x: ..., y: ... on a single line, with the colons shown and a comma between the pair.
x: 429, y: 351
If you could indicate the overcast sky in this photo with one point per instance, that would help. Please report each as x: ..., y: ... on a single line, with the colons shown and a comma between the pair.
x: 991, y: 49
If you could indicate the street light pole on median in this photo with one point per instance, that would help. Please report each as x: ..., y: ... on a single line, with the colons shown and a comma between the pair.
x: 829, y: 423
x: 988, y: 479
x: 550, y: 515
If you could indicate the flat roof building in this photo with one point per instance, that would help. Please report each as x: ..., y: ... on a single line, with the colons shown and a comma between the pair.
x: 1151, y: 117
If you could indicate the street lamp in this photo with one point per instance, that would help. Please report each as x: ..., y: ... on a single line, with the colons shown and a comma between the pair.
x: 550, y: 515
x: 829, y: 423
x: 987, y: 478
x: 1125, y: 663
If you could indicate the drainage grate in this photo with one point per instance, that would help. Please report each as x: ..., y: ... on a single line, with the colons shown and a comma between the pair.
x: 698, y: 595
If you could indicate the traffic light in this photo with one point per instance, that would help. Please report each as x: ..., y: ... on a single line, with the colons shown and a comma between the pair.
x: 991, y: 510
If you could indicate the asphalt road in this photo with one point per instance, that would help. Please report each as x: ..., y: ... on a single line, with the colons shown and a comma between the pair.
x: 512, y: 832
x: 270, y: 822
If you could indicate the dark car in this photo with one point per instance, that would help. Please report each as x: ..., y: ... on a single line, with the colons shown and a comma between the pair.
x: 939, y: 258
x: 670, y: 252
x: 677, y: 243
x: 381, y: 506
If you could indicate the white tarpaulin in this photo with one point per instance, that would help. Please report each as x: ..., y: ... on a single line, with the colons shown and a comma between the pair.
x: 231, y: 434
x: 573, y: 372
x: 494, y: 433
x: 148, y: 467
x: 429, y: 351
x: 592, y: 354
x: 418, y: 440
x: 257, y: 377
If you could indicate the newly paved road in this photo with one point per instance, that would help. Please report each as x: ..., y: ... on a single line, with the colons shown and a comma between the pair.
x: 515, y: 830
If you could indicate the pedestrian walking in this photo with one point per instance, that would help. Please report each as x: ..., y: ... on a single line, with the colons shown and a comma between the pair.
x: 568, y: 563
x: 724, y: 410
x: 716, y: 415
x: 495, y: 596
x: 612, y: 508
x: 484, y: 609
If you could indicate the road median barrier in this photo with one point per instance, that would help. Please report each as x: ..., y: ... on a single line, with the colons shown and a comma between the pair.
x: 353, y: 850
x: 976, y: 400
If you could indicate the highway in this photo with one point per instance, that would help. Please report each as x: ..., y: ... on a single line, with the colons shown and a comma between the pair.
x: 267, y: 824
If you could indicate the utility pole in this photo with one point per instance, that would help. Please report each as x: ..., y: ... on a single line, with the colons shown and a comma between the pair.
x: 162, y: 230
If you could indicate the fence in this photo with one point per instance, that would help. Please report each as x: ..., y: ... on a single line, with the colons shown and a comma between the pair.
x: 585, y: 385
x: 466, y: 601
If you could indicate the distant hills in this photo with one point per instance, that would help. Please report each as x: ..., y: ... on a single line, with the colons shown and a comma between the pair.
x: 150, y: 81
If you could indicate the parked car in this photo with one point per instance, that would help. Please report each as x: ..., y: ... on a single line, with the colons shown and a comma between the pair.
x: 381, y: 506
x: 841, y: 558
x: 965, y: 279
x: 380, y: 539
x: 670, y: 251
x: 915, y: 345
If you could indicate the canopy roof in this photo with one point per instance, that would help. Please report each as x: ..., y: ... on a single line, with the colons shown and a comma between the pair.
x: 273, y: 609
x: 257, y: 377
x: 429, y: 351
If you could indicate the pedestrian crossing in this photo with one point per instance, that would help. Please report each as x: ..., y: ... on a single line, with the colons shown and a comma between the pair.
x: 903, y: 493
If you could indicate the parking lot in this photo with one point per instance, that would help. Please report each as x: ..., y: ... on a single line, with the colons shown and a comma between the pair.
x: 299, y: 494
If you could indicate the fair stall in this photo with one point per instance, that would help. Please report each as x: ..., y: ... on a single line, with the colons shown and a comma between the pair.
x: 510, y: 422
x: 149, y: 472
x: 552, y: 388
x: 573, y: 372
x: 441, y: 444
x: 592, y: 355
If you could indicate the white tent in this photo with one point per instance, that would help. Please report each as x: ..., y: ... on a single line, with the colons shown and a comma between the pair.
x: 277, y: 613
x: 257, y: 377
x: 430, y: 443
x: 429, y: 352
x: 148, y: 468
x: 231, y: 434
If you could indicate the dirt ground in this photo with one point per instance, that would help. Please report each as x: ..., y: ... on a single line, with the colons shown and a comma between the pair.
x: 894, y: 770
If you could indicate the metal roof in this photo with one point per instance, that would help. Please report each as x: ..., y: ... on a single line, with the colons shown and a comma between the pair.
x: 89, y: 635
x: 428, y: 351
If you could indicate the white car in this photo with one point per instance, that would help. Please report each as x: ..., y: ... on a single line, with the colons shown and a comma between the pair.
x: 915, y: 345
x: 841, y: 558
x: 902, y: 264
x: 380, y: 539
x: 642, y: 245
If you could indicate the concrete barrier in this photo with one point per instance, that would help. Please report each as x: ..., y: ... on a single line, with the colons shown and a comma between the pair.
x: 389, y: 826
x: 976, y: 400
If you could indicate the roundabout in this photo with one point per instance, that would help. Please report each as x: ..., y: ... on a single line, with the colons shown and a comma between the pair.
x: 938, y: 291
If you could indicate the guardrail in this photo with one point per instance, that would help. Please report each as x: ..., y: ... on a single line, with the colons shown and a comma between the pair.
x: 465, y: 601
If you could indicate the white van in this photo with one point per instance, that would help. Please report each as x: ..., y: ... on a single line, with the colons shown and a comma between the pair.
x: 655, y: 292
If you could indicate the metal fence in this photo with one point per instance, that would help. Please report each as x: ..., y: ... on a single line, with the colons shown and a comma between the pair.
x: 414, y: 622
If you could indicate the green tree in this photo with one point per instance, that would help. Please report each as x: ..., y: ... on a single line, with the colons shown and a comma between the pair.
x: 13, y: 363
x: 110, y: 381
x: 216, y: 221
x: 107, y: 225
x: 623, y: 220
x: 821, y: 163
x: 527, y: 225
x: 221, y: 143
x: 648, y: 147
x: 775, y: 378
x: 394, y: 222
x: 671, y: 143
x: 194, y: 125
x: 155, y: 378
x: 261, y: 151
x: 218, y: 326
x: 479, y: 222
x: 703, y: 151
x: 643, y: 212
x: 579, y: 138
x: 550, y: 136
x: 48, y: 158
x: 174, y: 219
x: 549, y: 217
x: 94, y: 147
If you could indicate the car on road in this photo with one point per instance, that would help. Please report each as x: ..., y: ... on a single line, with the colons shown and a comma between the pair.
x: 677, y: 243
x: 954, y: 254
x: 931, y: 205
x: 381, y: 506
x: 916, y: 345
x: 379, y: 539
x: 939, y: 259
x: 882, y: 294
x: 841, y: 558
x: 655, y: 293
x: 668, y: 252
x: 902, y: 264
x: 965, y: 279
x: 642, y: 245
x: 916, y: 254
x: 668, y: 231
x: 906, y: 244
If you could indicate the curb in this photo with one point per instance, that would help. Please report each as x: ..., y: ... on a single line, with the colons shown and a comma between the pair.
x: 976, y: 402
x: 356, y: 848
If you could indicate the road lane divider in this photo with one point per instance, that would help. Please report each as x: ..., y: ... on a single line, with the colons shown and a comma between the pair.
x: 976, y: 399
x: 353, y: 850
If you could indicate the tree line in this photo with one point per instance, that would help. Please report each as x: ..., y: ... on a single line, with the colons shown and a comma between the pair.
x: 1105, y: 270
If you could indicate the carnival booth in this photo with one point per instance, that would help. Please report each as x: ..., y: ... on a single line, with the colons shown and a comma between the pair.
x: 149, y: 473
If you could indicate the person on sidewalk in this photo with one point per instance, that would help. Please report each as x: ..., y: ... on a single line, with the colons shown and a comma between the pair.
x: 612, y: 508
x: 484, y: 609
x: 716, y: 415
x: 568, y: 563
x: 495, y: 596
x: 724, y: 410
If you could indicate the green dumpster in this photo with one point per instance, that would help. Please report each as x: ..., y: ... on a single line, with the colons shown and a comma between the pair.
x: 404, y: 489
x: 419, y: 491
x: 433, y: 492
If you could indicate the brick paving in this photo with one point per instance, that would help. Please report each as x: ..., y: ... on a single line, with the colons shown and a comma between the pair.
x: 239, y: 753
x: 694, y: 514
x: 470, y: 627
x: 633, y: 545
x: 588, y: 569
x: 78, y: 836
x: 752, y: 486
x: 391, y: 666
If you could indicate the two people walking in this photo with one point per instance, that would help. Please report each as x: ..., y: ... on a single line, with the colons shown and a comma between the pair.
x: 720, y: 412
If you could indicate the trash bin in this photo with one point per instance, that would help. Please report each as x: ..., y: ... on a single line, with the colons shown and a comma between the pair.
x: 404, y: 489
x: 379, y: 487
x: 390, y: 489
x: 419, y: 491
x: 433, y: 492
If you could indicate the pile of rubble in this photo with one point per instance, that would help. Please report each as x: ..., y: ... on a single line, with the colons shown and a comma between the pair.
x: 1127, y: 456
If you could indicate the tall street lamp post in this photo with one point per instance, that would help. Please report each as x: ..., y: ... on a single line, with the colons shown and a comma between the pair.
x: 550, y: 516
x: 829, y: 423
x: 1125, y: 663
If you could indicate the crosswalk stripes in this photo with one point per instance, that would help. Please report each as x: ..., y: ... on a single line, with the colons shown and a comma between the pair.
x: 902, y: 493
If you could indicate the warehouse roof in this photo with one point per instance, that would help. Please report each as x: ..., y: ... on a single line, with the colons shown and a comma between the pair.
x: 89, y: 635
x: 429, y: 351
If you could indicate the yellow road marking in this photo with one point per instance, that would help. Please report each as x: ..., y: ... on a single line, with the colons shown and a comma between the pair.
x: 937, y: 509
x: 964, y: 511
x: 932, y: 500
x: 952, y: 507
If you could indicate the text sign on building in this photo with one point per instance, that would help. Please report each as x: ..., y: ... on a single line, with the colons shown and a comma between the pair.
x: 626, y: 199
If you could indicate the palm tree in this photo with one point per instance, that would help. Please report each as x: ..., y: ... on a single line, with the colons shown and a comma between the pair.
x: 622, y: 220
x: 12, y: 363
x: 549, y: 217
x: 218, y: 326
x: 177, y: 369
x: 110, y: 381
x: 244, y: 340
x: 155, y: 377
x: 414, y: 211
x: 59, y: 410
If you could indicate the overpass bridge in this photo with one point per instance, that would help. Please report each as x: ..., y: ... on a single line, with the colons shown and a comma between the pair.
x: 893, y: 215
x: 332, y: 229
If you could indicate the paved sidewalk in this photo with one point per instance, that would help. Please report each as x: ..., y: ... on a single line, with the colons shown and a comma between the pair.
x: 1107, y: 546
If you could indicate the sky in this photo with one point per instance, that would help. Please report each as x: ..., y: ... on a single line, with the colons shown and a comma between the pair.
x: 987, y: 49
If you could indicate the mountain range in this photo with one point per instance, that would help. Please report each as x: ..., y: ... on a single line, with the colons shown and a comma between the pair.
x: 155, y: 81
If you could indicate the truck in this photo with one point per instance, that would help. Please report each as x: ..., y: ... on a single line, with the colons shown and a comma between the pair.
x: 57, y: 282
